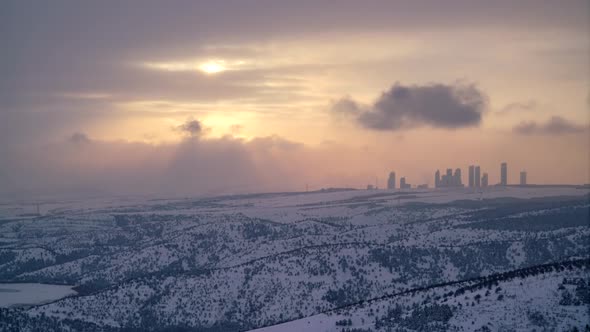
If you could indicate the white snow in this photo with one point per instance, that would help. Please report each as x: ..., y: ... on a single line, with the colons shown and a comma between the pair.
x: 29, y: 294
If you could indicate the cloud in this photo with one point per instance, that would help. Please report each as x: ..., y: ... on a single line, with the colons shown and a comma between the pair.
x: 346, y: 106
x: 525, y: 106
x: 94, y: 56
x: 193, y: 128
x: 81, y: 167
x: 275, y: 142
x: 79, y: 138
x: 436, y: 105
x: 555, y: 126
x: 236, y: 129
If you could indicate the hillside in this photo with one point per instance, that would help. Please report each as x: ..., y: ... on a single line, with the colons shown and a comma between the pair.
x: 507, y: 258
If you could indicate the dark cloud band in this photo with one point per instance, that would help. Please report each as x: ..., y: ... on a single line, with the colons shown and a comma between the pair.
x: 408, y: 106
x: 555, y: 126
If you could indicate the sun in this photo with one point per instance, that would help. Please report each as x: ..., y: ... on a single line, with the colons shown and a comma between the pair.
x: 212, y: 67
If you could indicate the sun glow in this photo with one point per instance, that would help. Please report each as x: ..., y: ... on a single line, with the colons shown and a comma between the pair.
x: 212, y: 67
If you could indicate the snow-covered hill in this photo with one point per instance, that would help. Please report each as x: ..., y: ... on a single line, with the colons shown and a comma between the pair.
x: 511, y: 258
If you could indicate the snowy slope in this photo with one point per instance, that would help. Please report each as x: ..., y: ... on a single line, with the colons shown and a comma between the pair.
x: 243, y: 262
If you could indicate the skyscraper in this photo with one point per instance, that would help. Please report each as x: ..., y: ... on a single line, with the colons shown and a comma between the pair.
x: 402, y: 183
x: 504, y: 174
x: 471, y: 176
x: 437, y: 179
x: 484, y: 180
x: 391, y: 181
x: 448, y: 178
x: 523, y: 178
x: 457, y: 178
x: 477, y: 177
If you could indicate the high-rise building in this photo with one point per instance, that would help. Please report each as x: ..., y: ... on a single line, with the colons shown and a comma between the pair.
x: 457, y: 178
x: 471, y: 176
x: 403, y: 184
x: 437, y: 179
x: 523, y: 178
x: 391, y: 181
x: 484, y: 180
x: 477, y: 177
x: 504, y: 174
x: 448, y: 178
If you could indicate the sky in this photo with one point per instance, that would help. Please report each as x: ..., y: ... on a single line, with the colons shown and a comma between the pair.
x: 213, y: 97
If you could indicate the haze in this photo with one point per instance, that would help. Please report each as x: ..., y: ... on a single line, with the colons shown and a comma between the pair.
x: 203, y: 97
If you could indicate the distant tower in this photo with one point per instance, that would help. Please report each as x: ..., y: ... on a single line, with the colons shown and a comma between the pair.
x: 471, y: 176
x: 457, y: 178
x: 448, y: 178
x: 504, y: 174
x: 477, y: 177
x: 484, y: 180
x: 402, y: 183
x: 437, y: 179
x: 391, y: 181
x: 523, y: 178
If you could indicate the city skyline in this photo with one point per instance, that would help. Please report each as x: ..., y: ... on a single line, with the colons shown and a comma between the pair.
x: 476, y: 179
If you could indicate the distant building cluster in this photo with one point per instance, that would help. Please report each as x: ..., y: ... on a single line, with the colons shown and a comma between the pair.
x: 391, y: 182
x: 449, y: 179
x: 504, y: 176
x: 403, y: 184
x: 452, y: 179
x: 476, y: 178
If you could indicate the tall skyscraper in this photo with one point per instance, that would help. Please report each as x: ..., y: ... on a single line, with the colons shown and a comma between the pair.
x: 477, y: 177
x: 437, y: 179
x: 402, y: 183
x: 523, y: 178
x: 448, y: 178
x: 504, y: 174
x: 484, y: 180
x: 471, y: 176
x: 391, y: 181
x: 457, y: 178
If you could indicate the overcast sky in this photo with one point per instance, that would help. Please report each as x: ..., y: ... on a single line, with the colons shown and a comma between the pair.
x: 201, y: 97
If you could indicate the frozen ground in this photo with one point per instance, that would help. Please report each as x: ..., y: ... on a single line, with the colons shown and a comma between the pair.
x: 29, y: 294
x: 321, y: 261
